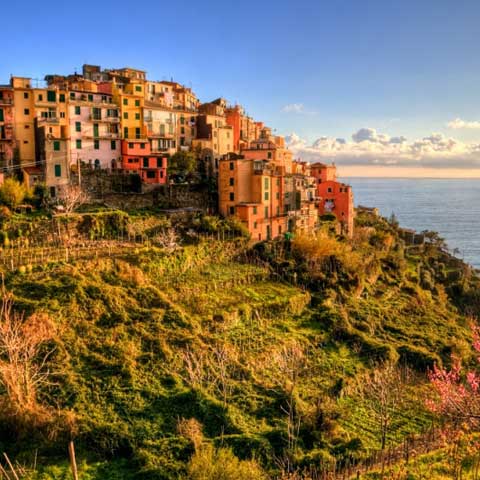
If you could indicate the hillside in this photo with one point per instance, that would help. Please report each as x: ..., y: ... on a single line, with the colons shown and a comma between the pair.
x: 158, y: 352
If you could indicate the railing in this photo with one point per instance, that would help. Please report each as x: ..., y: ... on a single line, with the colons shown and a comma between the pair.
x: 48, y: 119
x: 6, y: 101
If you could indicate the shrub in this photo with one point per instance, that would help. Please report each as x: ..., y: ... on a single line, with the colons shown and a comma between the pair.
x: 12, y: 192
x: 212, y: 464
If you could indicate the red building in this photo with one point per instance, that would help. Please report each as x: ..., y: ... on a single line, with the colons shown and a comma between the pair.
x: 333, y: 196
x: 137, y: 157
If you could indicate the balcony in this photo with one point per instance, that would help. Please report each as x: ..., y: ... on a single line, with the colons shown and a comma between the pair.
x: 95, y: 118
x: 103, y: 136
x: 152, y: 134
x: 6, y: 101
x: 48, y: 120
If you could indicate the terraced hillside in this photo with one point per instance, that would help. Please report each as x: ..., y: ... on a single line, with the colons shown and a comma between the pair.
x: 258, y: 351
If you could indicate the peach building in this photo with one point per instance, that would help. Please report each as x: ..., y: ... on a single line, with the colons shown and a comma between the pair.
x: 7, y: 123
x: 333, y: 196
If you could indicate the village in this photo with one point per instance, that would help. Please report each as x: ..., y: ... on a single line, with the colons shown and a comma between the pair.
x: 117, y: 124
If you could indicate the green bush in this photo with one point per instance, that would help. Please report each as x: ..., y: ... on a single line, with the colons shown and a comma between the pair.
x: 12, y: 192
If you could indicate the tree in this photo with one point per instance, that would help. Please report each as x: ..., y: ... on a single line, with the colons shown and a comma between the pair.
x: 23, y: 361
x: 72, y: 196
x: 383, y: 391
x: 182, y: 165
x: 12, y: 192
x: 456, y: 391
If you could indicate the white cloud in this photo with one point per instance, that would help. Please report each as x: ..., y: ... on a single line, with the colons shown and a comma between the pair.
x: 368, y: 147
x: 293, y: 108
x: 297, y: 108
x: 458, y: 124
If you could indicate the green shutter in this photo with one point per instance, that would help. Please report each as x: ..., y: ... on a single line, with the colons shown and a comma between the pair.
x: 58, y: 170
x: 96, y: 144
x: 61, y: 98
x: 78, y: 127
x: 95, y: 130
x: 113, y: 144
x: 1, y: 115
x: 56, y: 146
x: 51, y: 96
x: 77, y: 110
x: 79, y: 144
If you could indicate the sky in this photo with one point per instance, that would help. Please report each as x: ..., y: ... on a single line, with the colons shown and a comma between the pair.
x: 380, y: 87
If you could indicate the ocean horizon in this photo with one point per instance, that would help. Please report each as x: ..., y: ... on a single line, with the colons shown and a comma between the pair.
x: 450, y: 207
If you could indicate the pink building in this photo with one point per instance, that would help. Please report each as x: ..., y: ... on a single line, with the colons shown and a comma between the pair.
x: 7, y: 139
x: 94, y: 130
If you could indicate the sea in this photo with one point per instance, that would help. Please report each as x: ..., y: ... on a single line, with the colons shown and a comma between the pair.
x: 450, y: 207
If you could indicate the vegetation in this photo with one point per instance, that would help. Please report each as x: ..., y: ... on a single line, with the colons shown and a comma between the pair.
x: 192, y: 354
x: 182, y: 165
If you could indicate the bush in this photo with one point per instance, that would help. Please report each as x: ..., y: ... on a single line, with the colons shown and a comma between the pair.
x: 212, y: 464
x: 12, y: 192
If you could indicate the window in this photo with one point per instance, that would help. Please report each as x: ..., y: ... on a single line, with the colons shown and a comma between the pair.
x: 72, y: 95
x: 125, y: 101
x: 232, y: 181
x: 25, y: 142
x: 266, y: 183
x: 1, y: 115
x: 266, y: 196
x: 51, y: 96
x: 138, y: 88
x: 113, y: 144
x: 125, y: 115
x: 145, y: 163
x: 96, y: 144
x: 58, y: 170
x: 96, y: 164
x: 77, y: 110
x: 269, y: 155
x: 137, y: 132
x: 254, y: 210
x: 266, y: 212
x: 78, y: 127
x: 232, y: 210
x: 131, y: 145
x: 150, y: 174
x: 40, y: 98
x: 182, y: 120
x: 62, y: 114
x: 125, y: 132
x: 278, y: 182
x: 159, y: 162
x: 137, y: 116
x: 79, y: 144
x: 329, y: 189
x: 182, y: 130
x: 232, y: 196
x: 26, y: 111
x: 95, y: 130
x: 255, y: 225
x: 90, y: 97
x: 25, y: 94
x: 61, y: 98
x: 231, y: 166
x: 56, y: 146
x: 137, y: 103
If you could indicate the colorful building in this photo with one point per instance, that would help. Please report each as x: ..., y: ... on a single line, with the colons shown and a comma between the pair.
x: 7, y: 122
x: 94, y: 123
x: 333, y: 196
x: 138, y: 158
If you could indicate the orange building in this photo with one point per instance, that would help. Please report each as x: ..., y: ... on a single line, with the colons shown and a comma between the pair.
x: 137, y: 157
x: 333, y: 196
x: 7, y: 139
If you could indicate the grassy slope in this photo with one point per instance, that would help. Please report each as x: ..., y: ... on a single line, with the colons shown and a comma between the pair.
x: 125, y: 325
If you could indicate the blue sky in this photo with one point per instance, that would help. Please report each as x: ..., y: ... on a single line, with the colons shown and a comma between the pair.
x: 317, y: 68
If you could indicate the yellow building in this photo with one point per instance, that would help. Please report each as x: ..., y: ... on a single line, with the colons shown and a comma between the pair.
x: 24, y: 115
x: 130, y: 98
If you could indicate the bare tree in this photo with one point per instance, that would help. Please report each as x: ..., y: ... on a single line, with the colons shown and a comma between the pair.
x: 72, y: 197
x: 168, y: 239
x: 24, y: 362
x: 383, y: 391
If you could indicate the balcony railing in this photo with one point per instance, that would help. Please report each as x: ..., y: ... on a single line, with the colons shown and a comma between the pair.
x: 48, y: 120
x: 6, y: 101
x: 108, y: 119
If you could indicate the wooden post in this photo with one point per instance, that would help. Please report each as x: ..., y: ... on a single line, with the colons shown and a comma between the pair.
x: 73, y: 461
x: 11, y: 466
